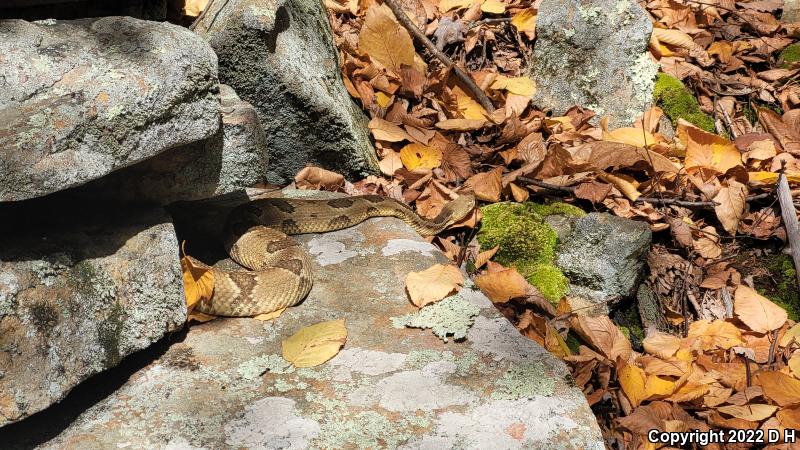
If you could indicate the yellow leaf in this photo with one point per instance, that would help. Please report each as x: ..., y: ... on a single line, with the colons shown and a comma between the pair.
x: 794, y: 364
x: 689, y: 391
x: 525, y: 22
x: 493, y: 7
x: 515, y: 85
x: 753, y: 412
x: 792, y: 333
x: 675, y: 38
x: 383, y: 130
x: 269, y: 315
x: 661, y: 344
x: 631, y: 136
x: 658, y: 387
x: 731, y: 200
x: 198, y: 281
x: 756, y: 311
x: 193, y: 8
x: 468, y: 106
x: 624, y: 186
x: 315, y: 344
x: 632, y: 380
x: 433, y: 284
x: 461, y: 124
x: 382, y: 99
x: 417, y: 156
x: 447, y: 5
x: 385, y: 40
x: 709, y: 151
x: 772, y: 177
x: 716, y: 334
x: 199, y: 317
x: 503, y: 285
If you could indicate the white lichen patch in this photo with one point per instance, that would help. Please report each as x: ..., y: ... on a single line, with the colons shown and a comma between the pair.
x: 271, y: 422
x: 395, y: 246
x: 471, y: 293
x: 643, y: 78
x: 524, y: 381
x: 465, y: 364
x: 9, y: 287
x: 499, y: 339
x: 410, y: 391
x: 255, y: 367
x: 368, y: 362
x: 336, y: 247
x: 451, y: 316
x: 544, y: 422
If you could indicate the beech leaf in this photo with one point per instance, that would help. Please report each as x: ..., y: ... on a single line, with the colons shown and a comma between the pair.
x: 433, y: 284
x: 313, y: 345
x: 756, y: 311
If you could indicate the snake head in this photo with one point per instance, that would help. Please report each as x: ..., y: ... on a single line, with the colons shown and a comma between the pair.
x: 459, y: 208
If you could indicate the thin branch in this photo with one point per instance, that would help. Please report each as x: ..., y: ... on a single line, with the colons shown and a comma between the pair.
x: 489, y: 21
x: 789, y: 216
x: 420, y: 36
x: 656, y: 201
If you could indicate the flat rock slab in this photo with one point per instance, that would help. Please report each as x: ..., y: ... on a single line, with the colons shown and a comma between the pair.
x: 227, y: 386
x: 593, y: 53
x: 76, y: 300
x: 280, y: 56
x: 79, y: 99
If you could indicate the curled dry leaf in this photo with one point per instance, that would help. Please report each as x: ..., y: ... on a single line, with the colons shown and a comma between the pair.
x: 731, y: 201
x: 484, y: 256
x: 270, y: 315
x: 315, y: 344
x: 318, y: 178
x: 603, y: 335
x: 503, y: 285
x: 198, y: 281
x: 756, y: 311
x: 433, y: 284
x: 675, y: 38
x: 486, y: 185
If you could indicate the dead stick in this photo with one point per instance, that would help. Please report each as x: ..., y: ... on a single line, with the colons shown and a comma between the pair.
x: 657, y: 201
x: 420, y: 36
x: 789, y: 216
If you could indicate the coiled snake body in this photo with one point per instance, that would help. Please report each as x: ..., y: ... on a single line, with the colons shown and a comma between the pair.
x: 279, y: 275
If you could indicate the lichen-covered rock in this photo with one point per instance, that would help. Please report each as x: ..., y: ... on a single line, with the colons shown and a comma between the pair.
x: 75, y: 299
x: 280, y: 57
x: 593, y: 53
x: 678, y: 102
x: 604, y: 256
x: 231, y: 160
x: 527, y: 241
x: 79, y: 99
x: 227, y: 386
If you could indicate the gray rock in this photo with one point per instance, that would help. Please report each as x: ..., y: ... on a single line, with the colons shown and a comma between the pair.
x: 77, y: 299
x: 227, y: 386
x: 231, y: 160
x: 79, y: 99
x: 593, y: 53
x: 280, y: 57
x: 604, y: 256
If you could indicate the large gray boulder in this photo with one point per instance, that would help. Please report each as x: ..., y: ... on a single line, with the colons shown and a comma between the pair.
x: 604, y: 257
x: 465, y: 379
x: 280, y: 57
x: 79, y: 99
x: 233, y: 159
x: 593, y: 53
x: 77, y: 297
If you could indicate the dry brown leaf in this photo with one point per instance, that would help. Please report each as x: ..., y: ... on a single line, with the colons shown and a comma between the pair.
x: 705, y: 150
x: 520, y: 194
x: 433, y: 284
x: 613, y: 154
x: 603, y: 335
x: 676, y: 38
x: 270, y: 315
x: 756, y: 311
x: 780, y: 388
x: 716, y: 334
x: 707, y: 245
x: 525, y: 22
x: 503, y: 285
x: 383, y: 130
x: 752, y: 412
x: 731, y: 201
x: 318, y: 178
x: 593, y: 191
x: 390, y: 163
x: 661, y: 344
x: 198, y: 281
x: 385, y: 40
x: 484, y: 256
x: 487, y: 185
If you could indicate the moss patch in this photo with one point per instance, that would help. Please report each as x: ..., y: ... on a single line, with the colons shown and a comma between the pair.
x: 108, y: 333
x: 527, y: 242
x: 781, y: 284
x: 678, y: 102
x: 790, y: 54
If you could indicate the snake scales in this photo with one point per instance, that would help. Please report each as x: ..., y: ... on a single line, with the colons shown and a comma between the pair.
x: 279, y: 275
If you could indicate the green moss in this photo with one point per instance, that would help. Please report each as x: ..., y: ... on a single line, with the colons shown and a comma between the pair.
x: 678, y: 102
x: 781, y: 284
x: 527, y: 242
x: 790, y: 54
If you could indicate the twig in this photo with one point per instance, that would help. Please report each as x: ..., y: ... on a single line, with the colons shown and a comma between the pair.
x: 789, y: 216
x: 202, y: 15
x: 772, y: 344
x: 747, y: 368
x: 488, y: 21
x: 657, y: 201
x: 727, y: 302
x: 420, y: 36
